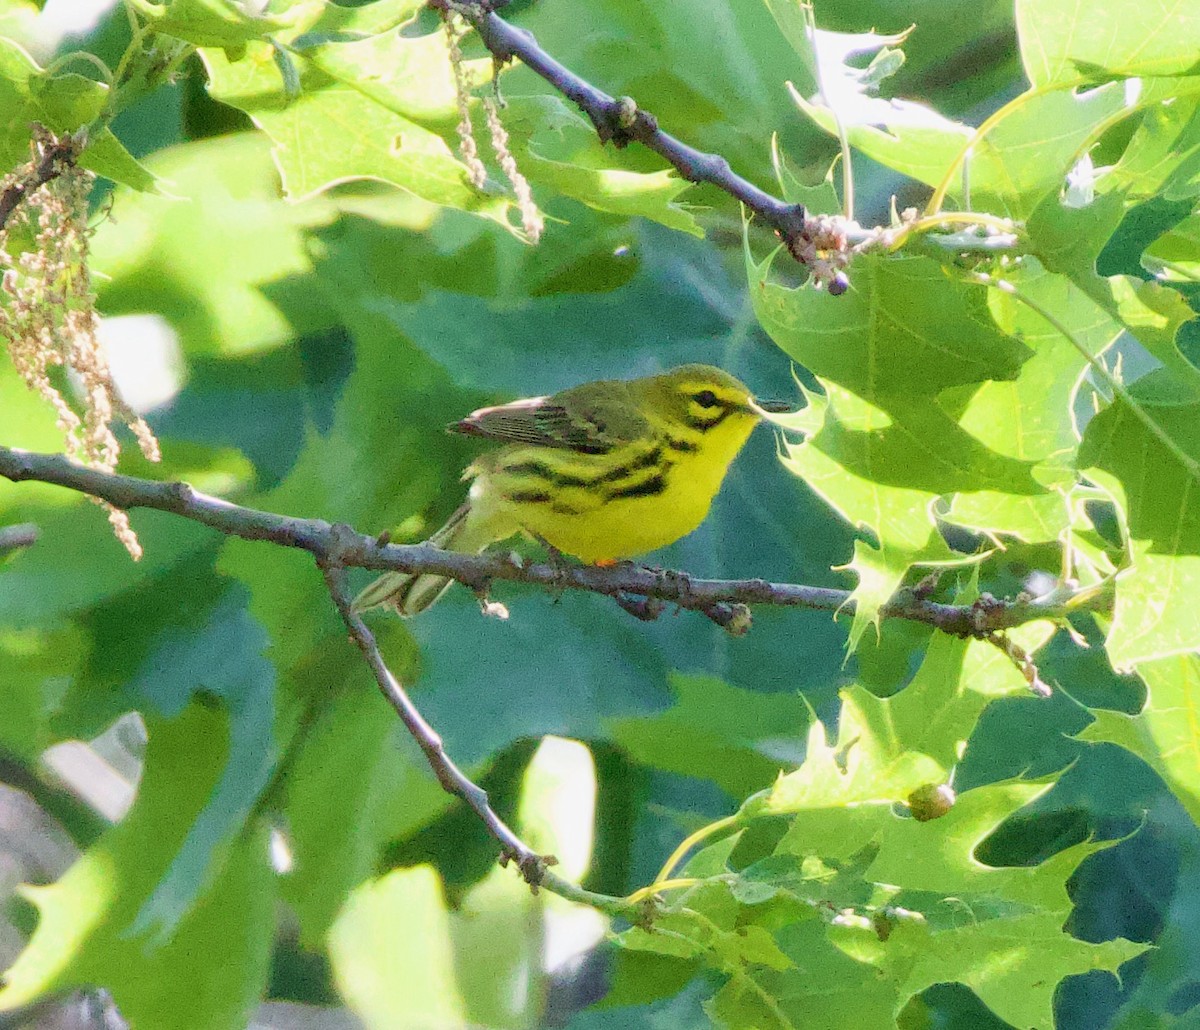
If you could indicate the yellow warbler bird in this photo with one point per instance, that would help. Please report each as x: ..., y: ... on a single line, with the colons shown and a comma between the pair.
x: 601, y: 471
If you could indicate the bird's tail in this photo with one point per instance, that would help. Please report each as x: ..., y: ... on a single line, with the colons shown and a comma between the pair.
x: 410, y: 593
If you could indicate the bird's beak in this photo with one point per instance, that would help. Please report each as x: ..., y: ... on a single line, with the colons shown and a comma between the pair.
x: 774, y: 407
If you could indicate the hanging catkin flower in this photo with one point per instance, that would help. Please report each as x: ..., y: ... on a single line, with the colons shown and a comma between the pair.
x: 48, y: 318
x: 452, y: 23
x: 531, y: 217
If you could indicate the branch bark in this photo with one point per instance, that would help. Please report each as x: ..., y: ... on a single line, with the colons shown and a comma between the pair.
x: 534, y: 868
x: 452, y: 779
x: 621, y: 121
x: 723, y: 600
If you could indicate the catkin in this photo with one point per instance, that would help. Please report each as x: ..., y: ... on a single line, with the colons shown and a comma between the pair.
x: 48, y: 320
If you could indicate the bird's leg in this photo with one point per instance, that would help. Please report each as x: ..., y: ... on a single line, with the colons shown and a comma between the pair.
x: 554, y: 556
x: 558, y: 561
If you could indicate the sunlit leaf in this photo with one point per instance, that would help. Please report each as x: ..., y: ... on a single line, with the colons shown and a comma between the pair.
x: 391, y: 977
x: 888, y: 439
x: 63, y: 102
x: 89, y: 932
x: 1062, y: 42
x: 1024, y: 156
x: 1164, y: 734
x: 1175, y: 256
x: 737, y: 738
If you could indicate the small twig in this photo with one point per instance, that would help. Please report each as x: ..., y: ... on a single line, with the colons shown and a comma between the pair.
x: 347, y: 548
x: 55, y: 156
x: 453, y: 780
x: 534, y: 868
x: 622, y: 122
x: 13, y: 538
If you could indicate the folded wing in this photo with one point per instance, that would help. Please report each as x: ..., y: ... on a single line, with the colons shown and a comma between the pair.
x: 587, y: 420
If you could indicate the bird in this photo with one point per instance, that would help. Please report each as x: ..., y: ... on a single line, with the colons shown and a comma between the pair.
x: 603, y: 471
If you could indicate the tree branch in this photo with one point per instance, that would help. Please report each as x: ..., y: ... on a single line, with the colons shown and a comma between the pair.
x: 534, y: 867
x: 724, y: 600
x: 622, y: 122
x: 452, y: 779
x: 336, y: 546
x: 824, y: 243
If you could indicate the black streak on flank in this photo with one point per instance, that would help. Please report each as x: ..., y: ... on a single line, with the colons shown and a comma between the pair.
x: 683, y: 446
x: 544, y: 472
x: 541, y: 497
x: 651, y: 487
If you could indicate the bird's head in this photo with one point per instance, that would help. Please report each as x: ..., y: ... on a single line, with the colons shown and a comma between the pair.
x: 703, y: 397
x: 705, y: 407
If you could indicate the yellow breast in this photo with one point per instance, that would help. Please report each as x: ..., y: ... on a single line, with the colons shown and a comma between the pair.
x: 632, y: 500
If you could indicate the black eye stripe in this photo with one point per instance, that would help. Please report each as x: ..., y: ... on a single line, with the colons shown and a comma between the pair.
x: 707, y: 399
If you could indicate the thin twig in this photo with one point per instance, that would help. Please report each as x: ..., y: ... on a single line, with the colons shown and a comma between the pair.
x: 13, y: 538
x: 534, y: 868
x: 622, y: 122
x: 341, y: 546
x: 452, y: 779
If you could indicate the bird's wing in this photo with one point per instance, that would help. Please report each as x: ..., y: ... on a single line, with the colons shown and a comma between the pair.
x: 587, y: 420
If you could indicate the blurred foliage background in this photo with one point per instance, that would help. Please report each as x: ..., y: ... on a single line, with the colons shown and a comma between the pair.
x: 300, y: 351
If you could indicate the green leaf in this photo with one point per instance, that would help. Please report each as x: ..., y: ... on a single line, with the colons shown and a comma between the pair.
x: 355, y: 753
x: 1031, y: 418
x: 35, y: 667
x: 1011, y: 168
x: 559, y: 149
x: 1163, y: 154
x: 1175, y: 256
x: 1069, y: 240
x: 826, y: 59
x: 737, y: 738
x: 219, y: 23
x: 1164, y: 734
x: 1142, y: 447
x: 869, y: 909
x: 1149, y: 446
x: 392, y: 957
x: 900, y: 519
x: 555, y: 815
x: 1013, y: 965
x: 64, y: 103
x: 405, y: 74
x: 107, y: 157
x: 166, y: 254
x: 88, y: 933
x: 338, y: 22
x: 410, y: 77
x: 334, y: 133
x: 997, y: 913
x: 401, y: 960
x: 903, y: 334
x: 895, y: 355
x: 887, y: 747
x: 710, y: 74
x: 1063, y: 43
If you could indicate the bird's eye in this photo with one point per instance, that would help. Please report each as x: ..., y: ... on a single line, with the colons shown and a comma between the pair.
x: 707, y: 399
